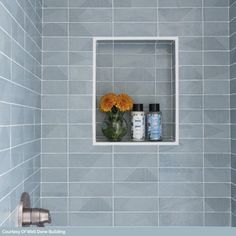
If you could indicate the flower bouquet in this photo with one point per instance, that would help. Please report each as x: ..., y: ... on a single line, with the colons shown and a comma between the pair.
x: 115, y: 127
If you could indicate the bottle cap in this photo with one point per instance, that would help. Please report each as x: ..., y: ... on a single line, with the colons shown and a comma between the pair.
x: 155, y: 107
x: 137, y: 107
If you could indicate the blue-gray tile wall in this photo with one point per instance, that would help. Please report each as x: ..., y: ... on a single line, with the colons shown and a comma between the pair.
x: 185, y: 185
x: 232, y: 103
x: 20, y: 82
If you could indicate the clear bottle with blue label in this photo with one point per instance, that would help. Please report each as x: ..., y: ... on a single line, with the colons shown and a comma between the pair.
x: 154, y: 123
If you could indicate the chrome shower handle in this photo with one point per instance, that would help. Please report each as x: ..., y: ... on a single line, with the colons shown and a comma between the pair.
x: 28, y: 216
x: 35, y: 216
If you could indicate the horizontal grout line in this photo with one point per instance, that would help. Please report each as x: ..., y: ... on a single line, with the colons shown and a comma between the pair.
x: 20, y: 105
x: 67, y: 66
x: 129, y: 141
x: 233, y: 34
x: 133, y: 153
x: 136, y: 7
x: 24, y: 68
x: 63, y: 124
x: 233, y: 199
x: 9, y: 216
x: 28, y: 17
x: 87, y: 94
x: 19, y: 85
x: 139, y: 212
x: 64, y: 109
x: 138, y: 167
x: 135, y: 54
x: 232, y: 64
x: 12, y: 190
x: 232, y: 49
x: 153, y: 226
x: 90, y: 124
x: 135, y: 182
x: 181, y: 109
x: 125, y: 167
x: 21, y: 144
x: 136, y: 197
x: 33, y: 7
x: 125, y: 67
x: 19, y: 24
x: 121, y: 81
x: 21, y: 164
x: 20, y: 125
x: 24, y: 49
x: 120, y: 54
x: 142, y: 95
x: 90, y: 37
x: 233, y: 4
x: 135, y: 22
x: 180, y: 36
x: 232, y: 19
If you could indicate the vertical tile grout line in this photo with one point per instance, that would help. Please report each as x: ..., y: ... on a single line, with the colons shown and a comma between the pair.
x: 113, y: 189
x: 155, y: 60
x: 158, y: 187
x: 158, y: 148
x: 155, y: 73
x: 10, y: 123
x: 67, y: 113
x: 171, y: 96
x: 229, y: 25
x: 41, y: 121
x: 203, y: 111
x: 113, y: 84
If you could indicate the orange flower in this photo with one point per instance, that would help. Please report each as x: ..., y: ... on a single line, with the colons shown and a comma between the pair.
x: 124, y: 102
x: 107, y: 102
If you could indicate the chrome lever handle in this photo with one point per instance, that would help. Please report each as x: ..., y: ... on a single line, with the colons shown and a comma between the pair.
x: 32, y: 216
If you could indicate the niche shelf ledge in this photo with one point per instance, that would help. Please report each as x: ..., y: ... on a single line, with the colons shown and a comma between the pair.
x: 146, y: 68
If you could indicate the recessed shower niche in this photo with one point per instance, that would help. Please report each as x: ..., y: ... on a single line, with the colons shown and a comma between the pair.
x: 144, y: 68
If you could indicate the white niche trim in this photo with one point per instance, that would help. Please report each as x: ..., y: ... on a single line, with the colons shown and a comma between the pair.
x: 97, y: 140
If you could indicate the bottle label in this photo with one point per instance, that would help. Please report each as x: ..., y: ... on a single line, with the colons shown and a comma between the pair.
x: 154, y: 126
x: 138, y: 126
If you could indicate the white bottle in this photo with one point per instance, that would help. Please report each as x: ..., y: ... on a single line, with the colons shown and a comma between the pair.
x: 137, y: 123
